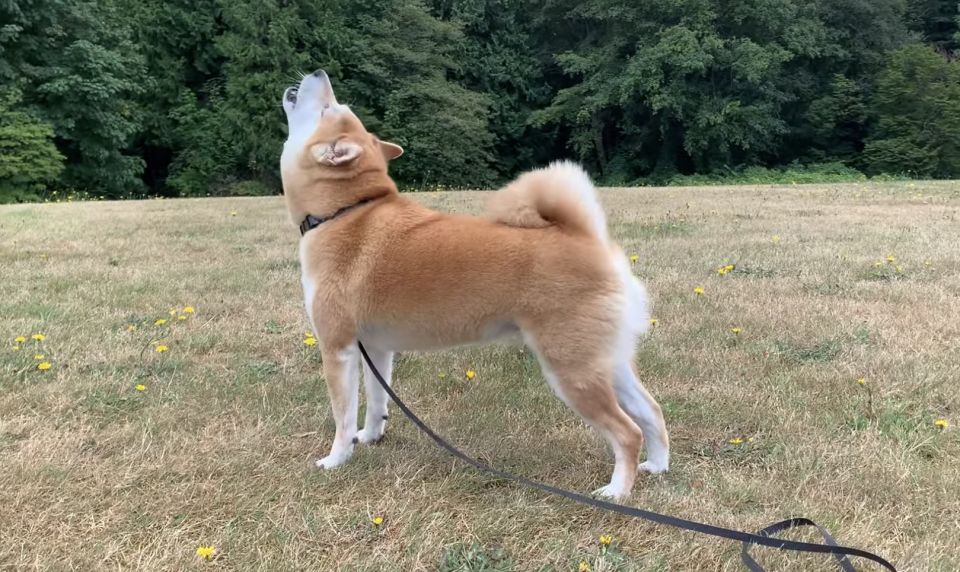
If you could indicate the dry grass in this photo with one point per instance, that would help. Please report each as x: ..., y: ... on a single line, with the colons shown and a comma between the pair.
x: 219, y: 448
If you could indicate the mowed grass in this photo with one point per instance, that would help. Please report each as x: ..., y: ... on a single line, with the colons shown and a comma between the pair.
x: 218, y: 448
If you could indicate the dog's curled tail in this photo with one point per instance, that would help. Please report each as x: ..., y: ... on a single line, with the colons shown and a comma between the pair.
x: 559, y: 194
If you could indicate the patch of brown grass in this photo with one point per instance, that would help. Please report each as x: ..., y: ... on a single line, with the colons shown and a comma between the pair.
x: 219, y: 448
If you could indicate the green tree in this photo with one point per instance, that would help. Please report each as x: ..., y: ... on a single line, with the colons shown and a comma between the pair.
x: 666, y: 87
x: 497, y: 56
x: 918, y: 109
x: 183, y: 96
x: 29, y: 160
x: 402, y: 59
x: 936, y: 22
x: 177, y: 40
x: 78, y: 71
x: 838, y: 122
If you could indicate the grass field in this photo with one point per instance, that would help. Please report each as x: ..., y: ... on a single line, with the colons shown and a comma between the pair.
x: 218, y: 447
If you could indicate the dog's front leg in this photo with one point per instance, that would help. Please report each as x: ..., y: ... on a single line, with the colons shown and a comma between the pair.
x: 376, y: 418
x: 340, y: 367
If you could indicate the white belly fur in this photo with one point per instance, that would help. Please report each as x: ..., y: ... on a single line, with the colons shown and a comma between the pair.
x: 399, y: 338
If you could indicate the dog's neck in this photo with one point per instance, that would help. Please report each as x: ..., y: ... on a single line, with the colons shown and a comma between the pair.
x: 323, y: 198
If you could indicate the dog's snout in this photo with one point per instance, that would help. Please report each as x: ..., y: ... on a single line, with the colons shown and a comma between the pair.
x: 320, y: 74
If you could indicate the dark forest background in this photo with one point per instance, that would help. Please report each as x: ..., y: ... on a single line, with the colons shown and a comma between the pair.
x: 130, y: 98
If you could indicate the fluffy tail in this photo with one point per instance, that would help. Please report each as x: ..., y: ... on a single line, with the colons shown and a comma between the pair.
x: 560, y: 194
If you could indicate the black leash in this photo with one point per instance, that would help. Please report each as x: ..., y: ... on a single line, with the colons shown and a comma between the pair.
x: 762, y: 537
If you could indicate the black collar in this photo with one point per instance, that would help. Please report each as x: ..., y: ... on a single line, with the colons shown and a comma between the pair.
x: 311, y: 222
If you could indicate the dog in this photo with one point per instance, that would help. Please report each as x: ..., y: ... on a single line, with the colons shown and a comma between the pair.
x: 380, y: 268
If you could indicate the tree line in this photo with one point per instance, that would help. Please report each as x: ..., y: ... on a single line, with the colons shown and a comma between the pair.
x: 130, y: 98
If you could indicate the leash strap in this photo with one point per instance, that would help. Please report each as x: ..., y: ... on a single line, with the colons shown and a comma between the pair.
x: 763, y: 537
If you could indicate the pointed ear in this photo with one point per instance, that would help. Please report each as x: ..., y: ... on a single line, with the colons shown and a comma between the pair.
x: 389, y: 150
x: 336, y: 154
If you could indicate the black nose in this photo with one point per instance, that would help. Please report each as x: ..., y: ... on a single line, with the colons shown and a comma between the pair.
x: 320, y: 74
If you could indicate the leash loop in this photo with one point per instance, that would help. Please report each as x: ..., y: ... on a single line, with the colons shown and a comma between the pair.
x: 763, y: 537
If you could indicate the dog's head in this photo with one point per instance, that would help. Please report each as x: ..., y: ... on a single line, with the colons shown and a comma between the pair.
x: 326, y: 141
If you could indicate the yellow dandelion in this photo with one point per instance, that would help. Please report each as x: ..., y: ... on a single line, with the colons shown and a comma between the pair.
x: 38, y: 357
x: 698, y: 291
x: 890, y: 258
x: 776, y: 238
x: 181, y: 318
x: 729, y: 267
x: 233, y: 213
x: 19, y: 339
x: 160, y: 322
x: 877, y: 264
x: 131, y: 328
x: 750, y: 440
x: 188, y: 310
x: 900, y: 269
x: 206, y: 552
x: 721, y: 271
x: 161, y: 348
x: 928, y: 263
x: 442, y: 375
x: 308, y: 335
x: 44, y: 366
x: 735, y: 330
x: 172, y: 312
x: 735, y: 441
x: 140, y: 387
x: 862, y: 381
x: 634, y: 258
x: 605, y: 540
x: 377, y: 520
x: 941, y: 423
x: 310, y: 341
x: 584, y: 566
x: 39, y: 337
x: 654, y: 321
x: 15, y: 348
x: 471, y: 374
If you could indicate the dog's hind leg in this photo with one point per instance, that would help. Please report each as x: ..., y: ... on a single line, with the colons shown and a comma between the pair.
x: 637, y: 402
x: 376, y: 418
x: 582, y: 380
x: 341, y: 369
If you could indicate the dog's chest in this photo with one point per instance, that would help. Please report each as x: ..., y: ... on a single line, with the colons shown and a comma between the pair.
x: 309, y: 287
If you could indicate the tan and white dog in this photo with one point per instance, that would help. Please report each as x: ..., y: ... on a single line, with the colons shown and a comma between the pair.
x: 380, y: 268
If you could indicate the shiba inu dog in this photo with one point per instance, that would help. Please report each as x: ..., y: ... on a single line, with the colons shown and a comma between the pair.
x: 380, y: 268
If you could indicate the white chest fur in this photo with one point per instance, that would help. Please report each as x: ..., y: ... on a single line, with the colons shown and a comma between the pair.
x: 309, y: 288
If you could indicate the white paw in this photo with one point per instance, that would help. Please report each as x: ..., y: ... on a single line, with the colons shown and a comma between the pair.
x: 611, y: 492
x: 367, y: 437
x: 653, y: 468
x: 332, y: 460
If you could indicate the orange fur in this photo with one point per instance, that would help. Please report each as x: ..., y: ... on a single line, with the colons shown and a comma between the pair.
x: 400, y: 277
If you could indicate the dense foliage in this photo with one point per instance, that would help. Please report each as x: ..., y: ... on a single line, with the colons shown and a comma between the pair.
x: 124, y: 98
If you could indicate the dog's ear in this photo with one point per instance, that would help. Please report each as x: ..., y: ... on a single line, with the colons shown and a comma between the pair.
x: 390, y: 151
x: 336, y: 154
